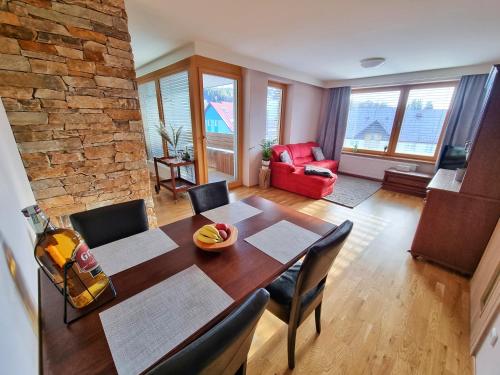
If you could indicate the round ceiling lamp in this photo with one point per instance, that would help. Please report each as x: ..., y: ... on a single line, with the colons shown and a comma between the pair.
x: 372, y: 62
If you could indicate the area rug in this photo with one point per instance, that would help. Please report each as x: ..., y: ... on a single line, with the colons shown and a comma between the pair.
x: 350, y: 191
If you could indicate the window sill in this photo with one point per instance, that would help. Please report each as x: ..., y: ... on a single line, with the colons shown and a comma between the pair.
x: 392, y: 158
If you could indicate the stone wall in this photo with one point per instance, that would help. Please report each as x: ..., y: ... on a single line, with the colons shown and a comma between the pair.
x: 67, y: 82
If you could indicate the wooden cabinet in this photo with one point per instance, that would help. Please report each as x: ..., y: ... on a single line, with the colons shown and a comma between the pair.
x: 458, y: 218
x: 485, y: 291
x: 414, y: 183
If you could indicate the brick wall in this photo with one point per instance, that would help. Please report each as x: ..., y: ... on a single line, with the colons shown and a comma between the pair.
x: 67, y: 82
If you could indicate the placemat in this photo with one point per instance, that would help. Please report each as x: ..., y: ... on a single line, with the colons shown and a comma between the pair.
x: 120, y: 255
x: 231, y: 213
x: 283, y: 241
x: 145, y: 327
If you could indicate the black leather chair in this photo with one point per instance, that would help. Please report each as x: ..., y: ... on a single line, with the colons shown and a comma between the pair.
x: 299, y: 290
x: 224, y: 349
x: 208, y: 196
x: 110, y: 223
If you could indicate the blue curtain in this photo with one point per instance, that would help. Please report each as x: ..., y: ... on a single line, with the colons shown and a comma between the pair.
x: 463, y: 121
x: 332, y: 133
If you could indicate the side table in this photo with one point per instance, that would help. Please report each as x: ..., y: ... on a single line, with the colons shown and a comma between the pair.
x: 175, y: 183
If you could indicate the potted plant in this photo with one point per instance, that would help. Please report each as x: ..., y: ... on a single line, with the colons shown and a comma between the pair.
x: 266, y: 151
x: 171, y: 136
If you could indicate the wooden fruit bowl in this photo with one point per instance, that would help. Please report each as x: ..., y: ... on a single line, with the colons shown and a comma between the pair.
x: 220, y: 246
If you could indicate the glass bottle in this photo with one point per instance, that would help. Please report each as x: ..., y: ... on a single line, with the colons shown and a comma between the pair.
x: 55, y: 247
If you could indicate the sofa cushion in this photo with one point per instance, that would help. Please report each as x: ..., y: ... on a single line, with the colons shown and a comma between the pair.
x: 302, y: 152
x: 285, y: 157
x: 318, y: 153
x: 276, y: 150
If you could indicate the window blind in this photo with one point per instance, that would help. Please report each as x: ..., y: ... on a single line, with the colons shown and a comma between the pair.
x: 273, y: 113
x: 150, y: 119
x: 371, y: 119
x: 423, y: 121
x: 177, y: 108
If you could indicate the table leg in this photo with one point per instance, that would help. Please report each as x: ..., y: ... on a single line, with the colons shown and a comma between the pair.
x: 174, y: 186
x: 157, y: 186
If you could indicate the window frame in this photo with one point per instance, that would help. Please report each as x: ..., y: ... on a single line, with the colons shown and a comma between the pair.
x: 398, y: 121
x: 283, y: 88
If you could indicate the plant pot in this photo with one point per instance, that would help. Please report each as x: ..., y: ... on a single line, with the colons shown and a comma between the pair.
x: 265, y: 163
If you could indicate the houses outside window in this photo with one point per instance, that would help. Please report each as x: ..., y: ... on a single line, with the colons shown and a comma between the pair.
x: 275, y: 111
x: 402, y: 121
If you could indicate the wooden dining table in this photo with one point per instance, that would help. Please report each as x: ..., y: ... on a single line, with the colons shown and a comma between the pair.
x: 81, y: 347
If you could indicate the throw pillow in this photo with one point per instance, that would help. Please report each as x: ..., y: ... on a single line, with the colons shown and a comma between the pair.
x: 318, y: 171
x: 285, y: 157
x: 318, y: 153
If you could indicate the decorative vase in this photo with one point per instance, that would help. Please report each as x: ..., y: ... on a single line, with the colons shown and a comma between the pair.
x: 265, y: 163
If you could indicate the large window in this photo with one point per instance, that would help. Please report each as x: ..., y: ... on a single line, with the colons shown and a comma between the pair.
x: 150, y: 119
x: 166, y: 99
x: 174, y: 91
x: 405, y: 121
x: 275, y: 111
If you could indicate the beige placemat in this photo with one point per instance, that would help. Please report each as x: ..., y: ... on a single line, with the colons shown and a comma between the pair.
x: 120, y: 255
x: 145, y: 327
x: 231, y: 213
x: 283, y: 241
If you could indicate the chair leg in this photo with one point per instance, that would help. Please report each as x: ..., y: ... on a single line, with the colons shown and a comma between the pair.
x: 243, y: 369
x: 292, y: 332
x: 317, y: 318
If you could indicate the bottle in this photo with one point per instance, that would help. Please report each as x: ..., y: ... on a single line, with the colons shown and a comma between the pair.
x: 55, y: 247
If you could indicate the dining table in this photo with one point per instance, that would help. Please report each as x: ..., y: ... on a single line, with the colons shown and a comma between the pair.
x: 82, y: 348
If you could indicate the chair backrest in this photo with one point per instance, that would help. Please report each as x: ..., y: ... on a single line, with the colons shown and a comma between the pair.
x: 222, y: 350
x: 208, y: 196
x: 110, y: 223
x: 319, y: 258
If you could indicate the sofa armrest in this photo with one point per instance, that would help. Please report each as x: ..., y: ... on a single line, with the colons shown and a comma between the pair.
x: 282, y: 167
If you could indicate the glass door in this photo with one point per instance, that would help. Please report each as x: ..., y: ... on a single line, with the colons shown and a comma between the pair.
x: 220, y: 122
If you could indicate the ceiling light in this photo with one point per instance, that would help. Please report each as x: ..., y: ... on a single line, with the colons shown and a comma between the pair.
x: 372, y: 62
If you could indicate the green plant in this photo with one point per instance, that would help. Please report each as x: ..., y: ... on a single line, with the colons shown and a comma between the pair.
x: 172, y: 137
x: 266, y: 148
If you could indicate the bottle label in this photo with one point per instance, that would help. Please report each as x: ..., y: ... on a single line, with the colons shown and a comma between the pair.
x: 86, y: 260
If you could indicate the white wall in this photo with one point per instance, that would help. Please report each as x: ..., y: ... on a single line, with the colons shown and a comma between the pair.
x: 19, y: 301
x: 374, y: 168
x: 303, y: 109
x: 488, y: 356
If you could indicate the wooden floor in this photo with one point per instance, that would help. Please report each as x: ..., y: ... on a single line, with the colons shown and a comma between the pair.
x: 383, y: 312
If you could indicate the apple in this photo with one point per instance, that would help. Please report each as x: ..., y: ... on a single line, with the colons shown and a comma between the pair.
x: 223, y: 234
x: 222, y: 226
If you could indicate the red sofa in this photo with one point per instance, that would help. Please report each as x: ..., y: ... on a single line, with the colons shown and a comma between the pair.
x: 292, y: 178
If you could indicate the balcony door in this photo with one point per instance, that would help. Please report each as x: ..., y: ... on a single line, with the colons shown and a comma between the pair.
x: 221, y: 126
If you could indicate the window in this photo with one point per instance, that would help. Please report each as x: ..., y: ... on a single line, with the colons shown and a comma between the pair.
x: 370, y: 120
x: 404, y: 121
x: 150, y: 119
x: 424, y: 117
x: 174, y: 91
x: 175, y: 107
x: 275, y: 111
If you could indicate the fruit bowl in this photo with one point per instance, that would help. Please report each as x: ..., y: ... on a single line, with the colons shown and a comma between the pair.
x: 218, y: 246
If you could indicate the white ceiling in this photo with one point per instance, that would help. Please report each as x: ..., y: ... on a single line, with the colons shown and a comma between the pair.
x: 324, y: 39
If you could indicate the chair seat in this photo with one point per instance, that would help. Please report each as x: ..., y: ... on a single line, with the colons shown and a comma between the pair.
x: 282, y: 289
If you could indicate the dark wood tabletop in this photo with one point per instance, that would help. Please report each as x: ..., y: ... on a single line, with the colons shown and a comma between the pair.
x: 81, y: 348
